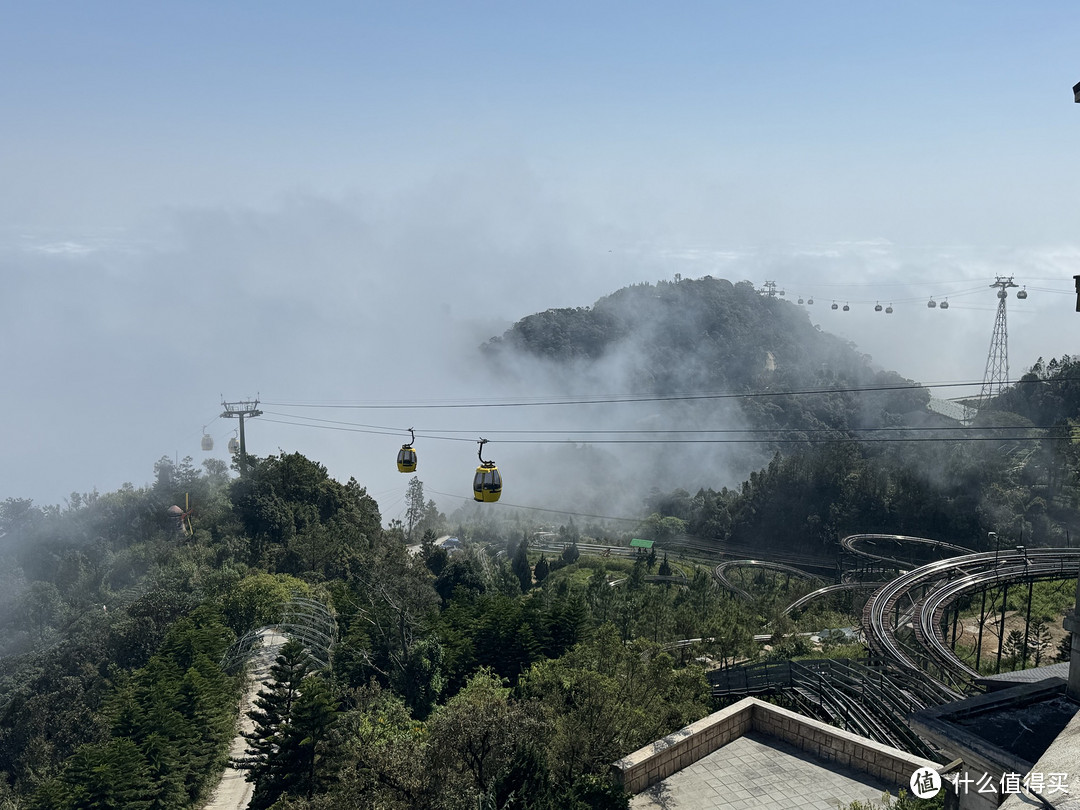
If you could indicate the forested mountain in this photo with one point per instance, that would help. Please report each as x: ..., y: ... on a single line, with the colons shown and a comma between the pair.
x: 709, y: 335
x: 839, y: 446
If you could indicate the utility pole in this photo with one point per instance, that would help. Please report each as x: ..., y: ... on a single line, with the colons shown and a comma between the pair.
x: 239, y: 410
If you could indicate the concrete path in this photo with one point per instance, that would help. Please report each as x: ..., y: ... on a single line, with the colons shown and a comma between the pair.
x: 234, y: 791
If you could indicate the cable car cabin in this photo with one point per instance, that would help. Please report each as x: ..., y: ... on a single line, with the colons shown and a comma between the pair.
x: 207, y: 442
x: 406, y: 459
x: 487, y: 483
x: 234, y: 445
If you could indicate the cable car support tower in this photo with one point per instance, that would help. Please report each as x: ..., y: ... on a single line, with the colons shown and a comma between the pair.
x: 996, y: 376
x: 234, y: 410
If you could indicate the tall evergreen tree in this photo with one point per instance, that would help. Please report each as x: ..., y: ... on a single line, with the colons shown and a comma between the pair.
x: 305, y: 748
x: 520, y: 565
x: 542, y: 569
x: 414, y: 505
x: 267, y: 757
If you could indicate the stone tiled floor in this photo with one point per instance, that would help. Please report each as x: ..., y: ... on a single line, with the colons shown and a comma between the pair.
x: 759, y: 771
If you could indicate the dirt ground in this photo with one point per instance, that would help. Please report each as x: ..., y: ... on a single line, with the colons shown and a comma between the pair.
x: 967, y: 634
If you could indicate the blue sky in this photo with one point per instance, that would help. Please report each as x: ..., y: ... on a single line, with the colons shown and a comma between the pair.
x: 182, y: 179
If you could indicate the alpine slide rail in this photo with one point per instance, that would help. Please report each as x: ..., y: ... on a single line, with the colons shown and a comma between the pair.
x: 876, y: 697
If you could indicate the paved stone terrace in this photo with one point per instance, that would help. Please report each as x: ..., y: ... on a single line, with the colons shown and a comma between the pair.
x: 759, y: 771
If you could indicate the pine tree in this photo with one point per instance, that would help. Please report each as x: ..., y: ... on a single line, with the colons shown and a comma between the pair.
x: 166, y: 772
x: 542, y: 569
x: 1014, y: 646
x: 274, y: 704
x: 1064, y: 650
x: 1039, y: 641
x: 520, y: 566
x: 304, y: 739
x: 414, y: 501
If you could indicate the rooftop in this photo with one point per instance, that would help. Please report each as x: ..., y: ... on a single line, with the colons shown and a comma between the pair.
x: 759, y: 771
x: 756, y: 755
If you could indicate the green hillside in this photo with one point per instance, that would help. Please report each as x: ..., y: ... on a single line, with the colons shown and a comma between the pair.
x: 509, y: 672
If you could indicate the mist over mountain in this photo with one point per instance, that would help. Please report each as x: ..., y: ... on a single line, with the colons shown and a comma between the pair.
x: 732, y: 376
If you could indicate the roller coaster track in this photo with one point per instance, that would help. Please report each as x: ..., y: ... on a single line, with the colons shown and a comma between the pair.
x: 875, y: 701
x: 948, y: 579
x: 1040, y: 564
x: 849, y: 694
x: 720, y: 572
x: 919, y: 596
x: 828, y: 589
x: 712, y: 549
x: 850, y: 542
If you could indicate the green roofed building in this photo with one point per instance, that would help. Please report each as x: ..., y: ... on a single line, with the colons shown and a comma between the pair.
x: 645, y: 544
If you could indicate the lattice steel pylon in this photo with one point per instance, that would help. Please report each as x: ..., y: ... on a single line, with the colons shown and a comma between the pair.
x: 768, y: 289
x: 996, y: 376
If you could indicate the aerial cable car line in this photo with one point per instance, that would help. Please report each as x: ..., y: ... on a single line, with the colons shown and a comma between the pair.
x: 615, y: 399
x: 1021, y: 294
x: 910, y: 299
x: 752, y: 440
x: 434, y: 432
x: 906, y: 283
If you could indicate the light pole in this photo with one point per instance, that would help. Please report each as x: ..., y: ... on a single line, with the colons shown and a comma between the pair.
x: 997, y: 545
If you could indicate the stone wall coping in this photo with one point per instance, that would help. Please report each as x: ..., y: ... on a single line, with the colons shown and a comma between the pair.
x: 661, y: 758
x: 739, y: 711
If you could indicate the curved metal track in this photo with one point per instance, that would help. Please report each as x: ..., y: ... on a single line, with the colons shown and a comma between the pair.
x: 930, y: 611
x: 828, y: 589
x: 849, y: 544
x: 973, y: 570
x: 720, y: 572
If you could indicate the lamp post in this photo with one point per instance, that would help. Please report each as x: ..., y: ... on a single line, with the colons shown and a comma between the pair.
x: 997, y: 545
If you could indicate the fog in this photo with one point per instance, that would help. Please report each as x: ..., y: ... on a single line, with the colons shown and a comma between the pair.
x: 368, y: 310
x: 204, y: 206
